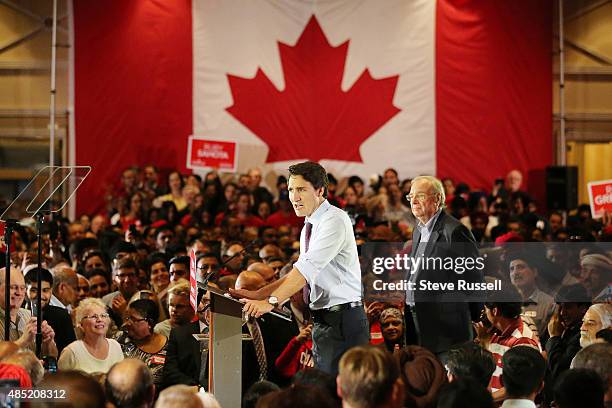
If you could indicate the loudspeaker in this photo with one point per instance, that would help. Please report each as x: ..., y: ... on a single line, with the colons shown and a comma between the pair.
x: 561, y: 187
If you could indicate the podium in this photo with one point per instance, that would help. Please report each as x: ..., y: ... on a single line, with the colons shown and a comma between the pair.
x: 225, y: 349
x: 225, y: 345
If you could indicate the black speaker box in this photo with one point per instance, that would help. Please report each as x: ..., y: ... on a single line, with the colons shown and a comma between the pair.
x: 561, y: 187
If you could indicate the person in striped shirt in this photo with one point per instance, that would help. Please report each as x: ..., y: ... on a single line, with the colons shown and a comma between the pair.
x: 506, y: 330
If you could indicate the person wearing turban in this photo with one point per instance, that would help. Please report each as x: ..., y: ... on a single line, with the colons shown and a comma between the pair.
x: 596, y: 277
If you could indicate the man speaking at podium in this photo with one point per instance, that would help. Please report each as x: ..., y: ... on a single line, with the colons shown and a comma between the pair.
x: 329, y: 267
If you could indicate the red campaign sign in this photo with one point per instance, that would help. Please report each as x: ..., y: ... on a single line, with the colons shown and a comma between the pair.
x: 600, y: 197
x: 213, y: 154
x: 193, y: 293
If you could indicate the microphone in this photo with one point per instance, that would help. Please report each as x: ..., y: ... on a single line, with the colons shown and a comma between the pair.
x: 204, y: 280
x: 248, y: 246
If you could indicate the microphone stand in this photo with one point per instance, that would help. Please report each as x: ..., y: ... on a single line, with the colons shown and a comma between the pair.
x: 8, y: 235
x: 39, y: 222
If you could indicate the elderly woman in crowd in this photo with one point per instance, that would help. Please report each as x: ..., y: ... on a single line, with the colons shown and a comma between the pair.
x: 94, y: 352
x: 138, y: 340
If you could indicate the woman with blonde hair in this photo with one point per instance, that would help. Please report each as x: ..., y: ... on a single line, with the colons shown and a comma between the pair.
x: 94, y: 352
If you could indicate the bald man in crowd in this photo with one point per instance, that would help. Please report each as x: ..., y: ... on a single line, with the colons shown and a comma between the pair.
x: 129, y: 384
x: 250, y: 280
x: 266, y: 271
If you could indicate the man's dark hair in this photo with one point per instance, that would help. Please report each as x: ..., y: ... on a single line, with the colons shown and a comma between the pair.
x: 91, y: 253
x: 175, y: 248
x: 97, y: 272
x: 208, y: 255
x: 156, y: 257
x: 573, y: 294
x: 128, y: 384
x: 123, y: 246
x: 579, y: 387
x: 354, y: 180
x: 256, y: 391
x: 31, y: 277
x: 312, y: 172
x: 524, y: 369
x: 303, y: 396
x: 162, y: 229
x: 317, y: 379
x: 471, y: 360
x: 459, y: 392
x: 183, y: 260
x: 126, y: 263
x: 78, y: 247
x: 508, y: 301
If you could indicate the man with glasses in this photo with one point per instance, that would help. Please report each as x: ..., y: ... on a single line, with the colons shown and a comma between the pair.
x: 126, y: 280
x: 22, y: 328
x: 208, y: 265
x: 234, y: 266
x: 437, y: 320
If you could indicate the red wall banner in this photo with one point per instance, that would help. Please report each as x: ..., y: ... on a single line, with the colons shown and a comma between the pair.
x: 132, y: 89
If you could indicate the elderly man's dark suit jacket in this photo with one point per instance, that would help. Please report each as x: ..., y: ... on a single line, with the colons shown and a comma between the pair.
x: 444, y: 318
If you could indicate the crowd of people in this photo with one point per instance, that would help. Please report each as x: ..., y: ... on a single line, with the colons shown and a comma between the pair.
x: 118, y: 323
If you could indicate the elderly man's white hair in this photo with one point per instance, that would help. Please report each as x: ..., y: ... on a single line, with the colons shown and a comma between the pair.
x: 604, y: 311
x: 437, y: 186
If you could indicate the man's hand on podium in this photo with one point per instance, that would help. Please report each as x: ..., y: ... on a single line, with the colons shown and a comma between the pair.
x: 248, y: 294
x: 257, y: 308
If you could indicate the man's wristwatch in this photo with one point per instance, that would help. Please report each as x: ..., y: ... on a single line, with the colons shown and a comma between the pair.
x: 273, y: 300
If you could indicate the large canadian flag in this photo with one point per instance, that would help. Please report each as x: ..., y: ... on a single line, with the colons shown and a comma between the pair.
x: 450, y: 87
x: 349, y: 84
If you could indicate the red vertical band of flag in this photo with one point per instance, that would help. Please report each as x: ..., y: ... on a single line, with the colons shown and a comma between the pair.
x: 493, y: 88
x: 133, y: 89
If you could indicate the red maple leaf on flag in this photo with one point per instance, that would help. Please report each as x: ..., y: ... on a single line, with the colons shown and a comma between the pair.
x: 313, y: 117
